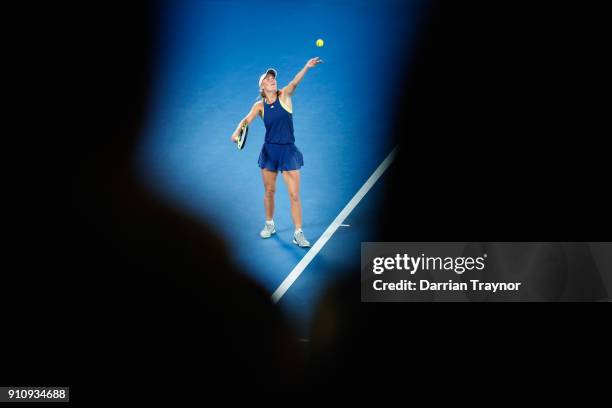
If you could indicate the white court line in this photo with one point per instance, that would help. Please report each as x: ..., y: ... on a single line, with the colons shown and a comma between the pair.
x: 314, y: 250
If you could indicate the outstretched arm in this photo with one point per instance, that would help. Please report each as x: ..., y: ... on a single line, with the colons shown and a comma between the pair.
x: 290, y: 88
x: 247, y: 119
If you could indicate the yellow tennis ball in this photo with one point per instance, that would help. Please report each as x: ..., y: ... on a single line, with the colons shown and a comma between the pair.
x: 319, y: 42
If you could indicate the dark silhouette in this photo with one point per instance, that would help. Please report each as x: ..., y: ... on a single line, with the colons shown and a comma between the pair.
x: 498, y: 142
x: 114, y: 293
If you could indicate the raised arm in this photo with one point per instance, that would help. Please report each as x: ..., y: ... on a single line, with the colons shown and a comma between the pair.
x: 290, y: 88
x: 255, y: 110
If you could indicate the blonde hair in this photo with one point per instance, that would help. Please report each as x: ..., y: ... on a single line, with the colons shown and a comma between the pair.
x: 262, y: 95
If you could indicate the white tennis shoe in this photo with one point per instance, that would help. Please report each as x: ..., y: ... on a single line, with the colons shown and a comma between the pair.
x: 300, y: 240
x: 267, y: 231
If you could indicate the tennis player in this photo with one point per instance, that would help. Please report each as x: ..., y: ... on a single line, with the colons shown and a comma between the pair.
x: 279, y: 152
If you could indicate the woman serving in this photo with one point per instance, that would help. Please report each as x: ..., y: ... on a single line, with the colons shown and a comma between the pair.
x: 279, y: 152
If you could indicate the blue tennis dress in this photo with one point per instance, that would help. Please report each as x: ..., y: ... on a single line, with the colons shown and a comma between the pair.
x: 279, y: 152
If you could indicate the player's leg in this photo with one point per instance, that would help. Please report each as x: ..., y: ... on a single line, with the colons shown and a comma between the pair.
x: 269, y: 181
x: 292, y: 179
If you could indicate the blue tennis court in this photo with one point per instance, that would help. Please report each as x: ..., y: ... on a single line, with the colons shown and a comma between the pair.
x: 209, y: 57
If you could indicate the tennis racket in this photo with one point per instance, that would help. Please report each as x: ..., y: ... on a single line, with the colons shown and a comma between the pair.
x: 242, y: 136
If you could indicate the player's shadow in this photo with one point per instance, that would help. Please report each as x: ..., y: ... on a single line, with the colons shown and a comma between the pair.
x: 284, y: 230
x: 306, y: 227
x: 284, y: 240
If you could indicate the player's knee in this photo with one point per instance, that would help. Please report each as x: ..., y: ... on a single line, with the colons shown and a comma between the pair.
x: 270, y: 191
x: 294, y: 197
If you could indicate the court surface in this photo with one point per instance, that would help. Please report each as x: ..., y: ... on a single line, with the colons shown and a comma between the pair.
x: 209, y: 56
